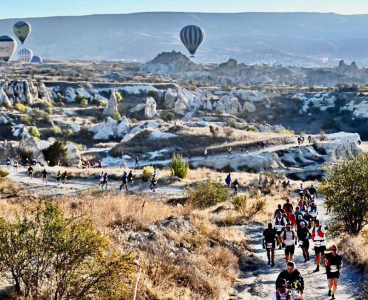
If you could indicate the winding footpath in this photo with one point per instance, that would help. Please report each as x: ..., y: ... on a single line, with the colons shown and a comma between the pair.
x: 258, y: 281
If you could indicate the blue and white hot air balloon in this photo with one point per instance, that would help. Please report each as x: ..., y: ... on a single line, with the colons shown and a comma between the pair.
x: 192, y: 36
x: 8, y: 45
x: 25, y: 55
x: 36, y: 59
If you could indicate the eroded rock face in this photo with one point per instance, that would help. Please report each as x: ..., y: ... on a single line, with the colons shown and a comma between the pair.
x: 123, y: 127
x: 104, y: 130
x: 19, y: 91
x: 150, y: 108
x: 6, y: 150
x: 4, y: 99
x: 43, y: 92
x: 228, y: 104
x: 112, y: 106
x: 170, y: 98
x: 28, y: 144
x: 73, y: 156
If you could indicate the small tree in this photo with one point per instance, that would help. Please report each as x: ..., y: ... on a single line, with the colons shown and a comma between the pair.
x: 78, y: 99
x: 50, y: 256
x: 118, y: 96
x: 179, y: 167
x: 147, y: 173
x: 346, y: 193
x: 3, y: 173
x: 56, y: 152
x: 152, y: 93
x: 207, y: 193
x: 33, y: 131
x: 241, y: 205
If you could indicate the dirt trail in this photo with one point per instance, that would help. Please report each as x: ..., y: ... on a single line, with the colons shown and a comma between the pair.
x: 258, y: 281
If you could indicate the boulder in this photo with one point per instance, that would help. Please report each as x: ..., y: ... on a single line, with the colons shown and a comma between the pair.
x: 6, y: 150
x: 33, y: 89
x: 151, y: 124
x: 28, y: 144
x: 73, y: 156
x: 104, y: 130
x: 150, y: 108
x: 228, y: 104
x: 18, y: 91
x: 249, y: 107
x: 180, y: 107
x: 112, y: 106
x: 126, y: 138
x: 43, y: 92
x: 138, y: 108
x: 43, y: 144
x: 170, y: 98
x: 4, y: 99
x: 70, y: 95
x: 207, y: 104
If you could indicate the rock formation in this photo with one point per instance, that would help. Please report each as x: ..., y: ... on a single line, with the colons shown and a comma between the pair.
x: 104, y: 130
x: 170, y: 98
x: 112, y: 106
x: 73, y: 156
x: 150, y: 108
x: 28, y: 144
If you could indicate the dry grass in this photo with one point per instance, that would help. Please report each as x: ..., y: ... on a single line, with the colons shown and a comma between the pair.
x: 355, y: 250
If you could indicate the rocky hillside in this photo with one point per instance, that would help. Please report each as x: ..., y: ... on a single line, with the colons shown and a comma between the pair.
x: 246, y: 37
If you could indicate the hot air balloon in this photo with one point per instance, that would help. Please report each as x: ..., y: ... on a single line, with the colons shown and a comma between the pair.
x: 36, y: 59
x: 192, y: 36
x: 22, y: 30
x: 8, y: 45
x: 25, y: 55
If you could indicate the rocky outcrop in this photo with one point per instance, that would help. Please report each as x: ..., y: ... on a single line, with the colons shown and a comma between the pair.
x: 104, y: 130
x: 18, y: 91
x: 28, y: 144
x: 4, y: 99
x: 170, y: 98
x: 73, y: 156
x: 228, y: 104
x: 150, y: 108
x: 112, y: 106
x: 43, y: 92
x: 123, y: 127
x: 6, y: 150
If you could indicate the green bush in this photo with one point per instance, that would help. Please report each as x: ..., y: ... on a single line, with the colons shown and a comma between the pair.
x: 56, y: 131
x: 252, y: 129
x: 39, y: 115
x: 21, y: 107
x: 168, y: 117
x: 103, y: 103
x: 286, y: 131
x: 55, y: 153
x: 3, y: 173
x: 84, y: 102
x: 33, y: 131
x: 179, y: 167
x: 207, y: 193
x: 50, y: 256
x: 152, y: 93
x: 79, y: 146
x: 118, y: 96
x: 116, y: 116
x: 44, y: 105
x: 26, y: 120
x: 147, y: 173
x: 79, y: 98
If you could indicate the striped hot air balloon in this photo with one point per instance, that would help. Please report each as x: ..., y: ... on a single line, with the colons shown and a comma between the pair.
x: 36, y: 59
x: 22, y: 30
x: 25, y: 55
x: 8, y: 45
x: 192, y: 36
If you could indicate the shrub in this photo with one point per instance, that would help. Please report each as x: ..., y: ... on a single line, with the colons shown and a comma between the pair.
x: 152, y: 93
x: 116, y: 116
x: 39, y: 115
x: 103, y: 103
x: 147, y: 173
x: 168, y: 117
x: 95, y: 102
x: 55, y: 153
x: 84, y: 102
x: 207, y: 193
x: 3, y: 173
x: 346, y: 193
x: 56, y: 131
x: 44, y: 105
x: 79, y: 146
x: 231, y: 123
x: 33, y: 131
x: 179, y: 167
x: 241, y: 205
x: 50, y: 256
x: 21, y: 107
x: 118, y: 96
x: 26, y: 120
x: 252, y: 129
x: 79, y: 98
x: 323, y: 136
x: 286, y: 131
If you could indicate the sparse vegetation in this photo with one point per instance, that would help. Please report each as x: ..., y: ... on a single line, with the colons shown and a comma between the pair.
x: 249, y: 212
x: 55, y: 153
x: 21, y: 107
x: 147, y: 173
x: 207, y: 193
x: 179, y: 166
x: 116, y: 116
x: 118, y: 96
x: 33, y: 131
x: 3, y: 173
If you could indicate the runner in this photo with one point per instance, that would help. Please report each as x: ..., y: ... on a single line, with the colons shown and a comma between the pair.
x: 290, y: 240
x: 301, y: 190
x: 99, y: 164
x: 30, y: 172
x: 309, y: 139
x: 308, y: 218
x: 298, y: 212
x: 258, y: 145
x: 228, y: 180
x: 44, y: 176
x: 105, y: 179
x: 333, y: 262
x: 241, y: 149
x: 279, y: 224
x: 189, y: 155
x: 283, y: 293
x: 230, y: 151
x: 291, y: 218
x: 264, y: 145
x: 269, y: 243
x: 246, y: 149
x: 130, y: 178
x: 15, y: 165
x: 313, y: 211
x: 58, y: 177
x: 205, y: 153
x: 153, y: 184
x: 101, y: 183
x: 304, y: 237
x: 65, y: 177
x: 313, y: 191
x: 124, y: 181
x: 278, y: 210
x: 235, y: 186
x: 292, y: 277
x: 137, y: 161
x: 8, y: 163
x: 288, y: 207
x: 318, y: 233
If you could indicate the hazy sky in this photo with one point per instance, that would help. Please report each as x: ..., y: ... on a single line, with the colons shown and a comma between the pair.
x: 43, y: 8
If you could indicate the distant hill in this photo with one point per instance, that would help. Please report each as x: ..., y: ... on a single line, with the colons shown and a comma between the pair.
x: 280, y: 38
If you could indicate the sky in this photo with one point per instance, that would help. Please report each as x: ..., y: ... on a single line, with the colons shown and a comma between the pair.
x: 45, y: 8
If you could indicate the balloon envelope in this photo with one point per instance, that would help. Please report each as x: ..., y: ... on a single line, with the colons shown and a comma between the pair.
x: 36, y: 59
x: 8, y: 45
x: 22, y: 30
x: 25, y: 55
x: 192, y: 36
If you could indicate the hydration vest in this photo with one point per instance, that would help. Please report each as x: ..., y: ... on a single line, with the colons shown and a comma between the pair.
x: 319, y: 231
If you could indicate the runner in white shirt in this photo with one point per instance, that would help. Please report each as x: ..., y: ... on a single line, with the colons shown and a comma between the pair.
x: 318, y: 234
x: 283, y: 293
